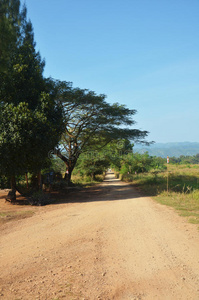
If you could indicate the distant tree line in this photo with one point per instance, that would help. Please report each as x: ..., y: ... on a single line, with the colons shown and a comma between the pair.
x: 185, y: 159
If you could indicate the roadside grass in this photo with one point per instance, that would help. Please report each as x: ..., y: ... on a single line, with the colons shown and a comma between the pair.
x: 7, y: 216
x: 187, y: 205
x: 86, y: 181
x: 183, y: 188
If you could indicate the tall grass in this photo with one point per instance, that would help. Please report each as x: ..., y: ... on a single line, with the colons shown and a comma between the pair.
x: 183, y: 188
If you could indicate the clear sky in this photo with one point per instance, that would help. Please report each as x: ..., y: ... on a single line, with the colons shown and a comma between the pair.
x: 141, y: 53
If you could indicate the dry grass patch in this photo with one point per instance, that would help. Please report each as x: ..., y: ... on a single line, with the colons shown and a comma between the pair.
x: 183, y: 193
x: 7, y: 216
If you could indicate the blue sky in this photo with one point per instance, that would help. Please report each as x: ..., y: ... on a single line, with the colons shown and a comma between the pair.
x: 141, y: 53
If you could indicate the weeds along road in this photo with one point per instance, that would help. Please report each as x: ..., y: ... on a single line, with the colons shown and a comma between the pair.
x: 110, y: 243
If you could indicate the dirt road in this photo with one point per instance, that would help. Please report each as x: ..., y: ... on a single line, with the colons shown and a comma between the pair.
x: 111, y: 243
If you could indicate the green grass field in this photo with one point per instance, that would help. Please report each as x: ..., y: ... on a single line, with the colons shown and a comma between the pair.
x: 182, y: 192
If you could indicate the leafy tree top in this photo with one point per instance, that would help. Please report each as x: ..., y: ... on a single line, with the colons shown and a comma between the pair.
x: 90, y: 122
x: 21, y: 77
x: 89, y: 118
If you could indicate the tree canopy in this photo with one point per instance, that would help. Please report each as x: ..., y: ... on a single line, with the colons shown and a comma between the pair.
x: 10, y: 19
x: 22, y: 76
x: 91, y: 122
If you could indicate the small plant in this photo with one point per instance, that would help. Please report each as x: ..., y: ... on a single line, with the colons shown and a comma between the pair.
x: 39, y: 198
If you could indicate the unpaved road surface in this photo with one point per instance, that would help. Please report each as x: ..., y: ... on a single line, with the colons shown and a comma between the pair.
x: 110, y: 243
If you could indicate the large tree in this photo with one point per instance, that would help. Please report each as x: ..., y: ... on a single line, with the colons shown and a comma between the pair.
x: 91, y: 123
x: 31, y: 119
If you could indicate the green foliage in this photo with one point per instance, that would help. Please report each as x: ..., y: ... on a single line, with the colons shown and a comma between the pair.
x: 10, y: 19
x: 31, y: 121
x: 58, y: 165
x: 132, y: 163
x: 4, y: 182
x: 185, y: 159
x: 86, y: 181
x: 92, y: 164
x: 21, y: 78
x: 183, y: 193
x: 40, y: 198
x: 124, y: 169
x: 24, y: 136
x: 91, y: 123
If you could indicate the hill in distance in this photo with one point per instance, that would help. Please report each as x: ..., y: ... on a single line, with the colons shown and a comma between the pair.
x: 169, y: 149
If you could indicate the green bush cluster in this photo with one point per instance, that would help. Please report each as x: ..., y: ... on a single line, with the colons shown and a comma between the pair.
x: 135, y: 163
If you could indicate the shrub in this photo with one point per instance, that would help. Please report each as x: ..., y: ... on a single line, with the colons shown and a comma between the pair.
x: 39, y: 198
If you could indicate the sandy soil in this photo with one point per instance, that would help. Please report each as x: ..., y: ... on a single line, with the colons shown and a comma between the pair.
x: 109, y: 243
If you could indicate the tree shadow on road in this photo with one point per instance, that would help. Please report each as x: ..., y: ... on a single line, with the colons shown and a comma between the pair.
x: 111, y: 189
x: 108, y: 191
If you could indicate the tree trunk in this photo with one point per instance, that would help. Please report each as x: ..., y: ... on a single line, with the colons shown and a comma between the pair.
x: 69, y: 178
x: 70, y: 164
x: 68, y: 174
x: 39, y: 180
x: 12, y: 194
